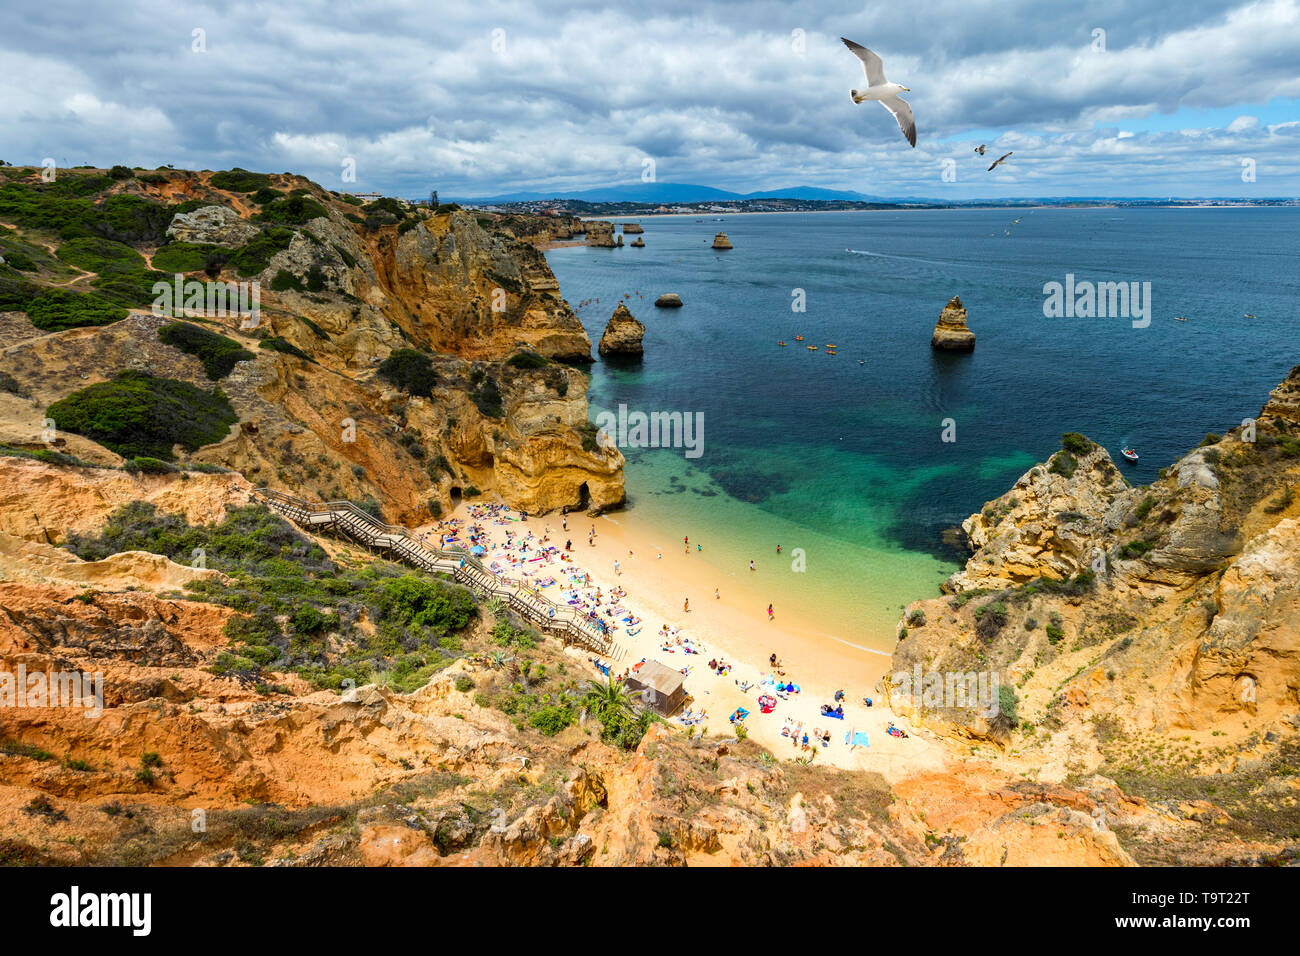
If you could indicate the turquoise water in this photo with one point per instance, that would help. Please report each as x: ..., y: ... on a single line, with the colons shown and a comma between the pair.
x: 849, y: 455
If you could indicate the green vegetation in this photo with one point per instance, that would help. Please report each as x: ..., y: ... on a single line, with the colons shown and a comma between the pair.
x: 217, y: 352
x: 990, y: 619
x: 255, y: 255
x: 1064, y: 463
x: 292, y: 597
x: 94, y: 254
x: 150, y: 466
x: 239, y: 180
x: 277, y: 344
x: 139, y: 414
x: 1135, y: 549
x: 527, y: 360
x: 285, y: 281
x: 266, y: 194
x: 409, y: 370
x: 59, y: 309
x: 1210, y: 439
x: 291, y: 210
x: 186, y: 256
x: 1075, y: 443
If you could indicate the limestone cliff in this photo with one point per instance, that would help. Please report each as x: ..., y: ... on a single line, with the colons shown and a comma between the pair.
x: 1116, y: 616
x: 341, y: 291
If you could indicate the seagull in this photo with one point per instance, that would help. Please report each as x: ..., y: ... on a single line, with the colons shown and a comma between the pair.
x: 998, y: 162
x: 980, y: 149
x: 880, y: 89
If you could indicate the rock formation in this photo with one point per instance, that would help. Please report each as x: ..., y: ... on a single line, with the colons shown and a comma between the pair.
x: 632, y: 228
x: 622, y: 334
x: 637, y: 243
x: 669, y: 300
x: 720, y: 241
x: 219, y: 225
x: 950, y: 332
x: 600, y: 233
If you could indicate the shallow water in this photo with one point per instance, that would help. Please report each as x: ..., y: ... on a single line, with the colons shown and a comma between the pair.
x: 842, y: 455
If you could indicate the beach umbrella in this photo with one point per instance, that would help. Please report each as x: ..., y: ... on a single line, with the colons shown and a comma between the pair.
x: 478, y: 549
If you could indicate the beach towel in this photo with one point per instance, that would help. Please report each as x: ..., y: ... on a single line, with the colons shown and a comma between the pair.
x: 857, y: 738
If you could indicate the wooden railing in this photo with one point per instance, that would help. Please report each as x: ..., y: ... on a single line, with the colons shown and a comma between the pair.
x: 346, y: 518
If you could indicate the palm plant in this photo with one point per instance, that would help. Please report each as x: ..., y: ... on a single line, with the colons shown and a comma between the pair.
x: 610, y: 698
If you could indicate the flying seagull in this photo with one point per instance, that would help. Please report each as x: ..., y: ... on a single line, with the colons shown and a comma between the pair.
x: 881, y: 90
x: 998, y: 162
x: 980, y: 149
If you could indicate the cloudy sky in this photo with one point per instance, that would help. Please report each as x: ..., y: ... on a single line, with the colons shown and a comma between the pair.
x: 1102, y: 98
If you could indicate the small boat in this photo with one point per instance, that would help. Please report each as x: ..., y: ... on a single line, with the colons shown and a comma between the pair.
x: 862, y: 361
x: 782, y: 344
x: 1250, y: 315
x: 1129, y: 453
x: 1180, y: 318
x: 829, y: 346
x: 798, y: 338
x: 812, y: 348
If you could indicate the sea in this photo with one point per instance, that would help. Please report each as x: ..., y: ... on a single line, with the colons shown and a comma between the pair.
x: 856, y: 462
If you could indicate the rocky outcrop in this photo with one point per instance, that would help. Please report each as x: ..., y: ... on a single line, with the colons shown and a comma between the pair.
x: 622, y: 334
x: 631, y: 228
x: 219, y: 225
x: 950, y: 332
x: 600, y: 233
x: 720, y: 241
x: 637, y: 243
x: 669, y: 300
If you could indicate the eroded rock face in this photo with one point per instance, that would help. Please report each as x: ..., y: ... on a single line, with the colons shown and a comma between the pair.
x: 669, y: 300
x: 631, y: 228
x: 600, y: 233
x: 720, y: 241
x: 622, y: 334
x: 950, y: 332
x: 220, y: 225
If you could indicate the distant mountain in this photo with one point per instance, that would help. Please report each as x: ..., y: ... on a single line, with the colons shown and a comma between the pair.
x: 667, y: 193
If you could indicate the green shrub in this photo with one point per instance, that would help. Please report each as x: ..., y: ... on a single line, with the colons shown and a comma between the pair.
x: 414, y: 600
x: 60, y: 309
x: 1145, y: 507
x: 186, y: 256
x: 990, y: 619
x: 120, y: 172
x: 131, y: 289
x: 1063, y: 463
x: 464, y: 684
x: 266, y: 194
x: 409, y: 370
x: 255, y: 255
x: 285, y: 281
x: 139, y: 414
x: 1075, y: 443
x: 240, y: 181
x: 550, y: 719
x: 1135, y: 549
x: 152, y: 466
x: 527, y: 360
x: 1210, y: 439
x: 291, y: 210
x: 277, y: 344
x: 218, y: 353
x: 100, y: 255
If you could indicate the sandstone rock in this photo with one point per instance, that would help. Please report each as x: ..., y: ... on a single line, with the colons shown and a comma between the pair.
x: 720, y: 241
x: 622, y: 334
x: 632, y: 228
x: 220, y: 225
x: 600, y: 233
x: 950, y: 332
x: 637, y: 243
x: 669, y: 300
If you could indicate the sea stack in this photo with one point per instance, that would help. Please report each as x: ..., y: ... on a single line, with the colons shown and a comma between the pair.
x: 600, y: 233
x: 669, y: 300
x: 622, y: 334
x: 950, y: 332
x: 632, y: 228
x: 720, y: 241
x: 637, y: 243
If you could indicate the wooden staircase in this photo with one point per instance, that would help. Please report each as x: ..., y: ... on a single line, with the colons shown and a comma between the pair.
x: 394, y: 541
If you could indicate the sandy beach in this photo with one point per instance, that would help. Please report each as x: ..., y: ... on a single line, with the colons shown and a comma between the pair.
x: 727, y: 620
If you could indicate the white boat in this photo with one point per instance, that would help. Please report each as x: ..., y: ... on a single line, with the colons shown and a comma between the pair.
x: 1129, y: 453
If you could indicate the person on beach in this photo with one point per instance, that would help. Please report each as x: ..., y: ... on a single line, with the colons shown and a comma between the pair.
x: 751, y: 564
x: 568, y: 545
x: 717, y: 594
x: 564, y: 522
x: 769, y: 612
x: 778, y: 549
x: 772, y: 660
x: 686, y: 606
x: 616, y: 570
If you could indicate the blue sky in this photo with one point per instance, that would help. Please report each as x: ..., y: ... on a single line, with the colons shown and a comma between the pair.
x: 503, y: 96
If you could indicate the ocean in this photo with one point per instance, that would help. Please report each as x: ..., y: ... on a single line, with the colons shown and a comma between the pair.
x: 841, y: 459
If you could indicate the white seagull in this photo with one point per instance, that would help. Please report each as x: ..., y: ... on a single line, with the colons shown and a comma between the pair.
x: 998, y: 162
x: 881, y: 90
x: 980, y: 149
